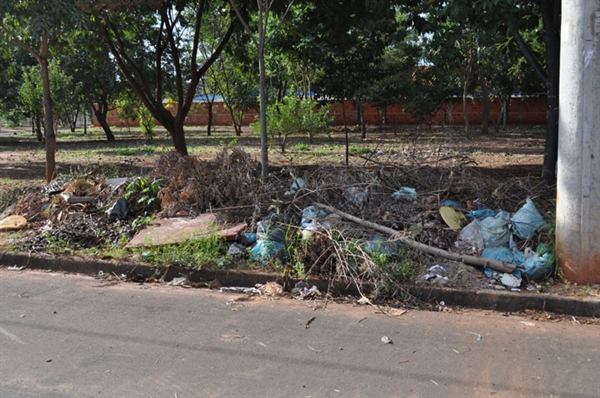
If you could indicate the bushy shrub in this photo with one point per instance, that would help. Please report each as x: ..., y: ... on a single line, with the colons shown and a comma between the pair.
x: 292, y: 115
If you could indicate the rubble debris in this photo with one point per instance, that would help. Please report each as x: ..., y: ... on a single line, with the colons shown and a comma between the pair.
x: 503, y: 267
x: 240, y: 289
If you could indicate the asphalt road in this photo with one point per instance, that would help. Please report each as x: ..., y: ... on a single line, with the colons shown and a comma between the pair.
x: 73, y: 336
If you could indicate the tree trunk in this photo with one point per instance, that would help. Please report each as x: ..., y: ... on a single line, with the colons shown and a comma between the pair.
x: 485, y: 97
x: 264, y: 149
x: 209, y: 107
x: 100, y: 114
x: 73, y: 124
x: 551, y: 18
x: 465, y: 110
x: 48, y: 114
x: 347, y: 141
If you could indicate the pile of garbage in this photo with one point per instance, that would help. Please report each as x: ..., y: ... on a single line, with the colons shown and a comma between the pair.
x: 336, y: 221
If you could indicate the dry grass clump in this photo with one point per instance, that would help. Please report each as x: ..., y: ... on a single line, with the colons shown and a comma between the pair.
x: 193, y: 185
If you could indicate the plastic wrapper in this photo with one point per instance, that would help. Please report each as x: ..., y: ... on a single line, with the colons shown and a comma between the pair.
x: 469, y: 239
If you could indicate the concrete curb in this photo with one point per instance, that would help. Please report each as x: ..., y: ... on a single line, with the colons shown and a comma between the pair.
x: 483, y: 299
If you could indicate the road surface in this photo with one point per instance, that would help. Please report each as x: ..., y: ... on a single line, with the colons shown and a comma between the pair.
x: 74, y: 336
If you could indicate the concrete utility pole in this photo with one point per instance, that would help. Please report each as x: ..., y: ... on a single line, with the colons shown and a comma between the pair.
x: 578, y: 173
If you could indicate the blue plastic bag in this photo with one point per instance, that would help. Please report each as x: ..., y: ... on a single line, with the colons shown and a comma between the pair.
x: 480, y: 214
x: 526, y: 221
x: 265, y: 250
x: 494, y: 230
x: 405, y: 193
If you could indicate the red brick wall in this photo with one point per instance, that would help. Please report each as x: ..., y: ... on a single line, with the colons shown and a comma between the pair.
x: 521, y: 111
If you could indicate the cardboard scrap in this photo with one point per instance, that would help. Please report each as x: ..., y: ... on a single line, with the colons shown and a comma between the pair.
x: 175, y: 230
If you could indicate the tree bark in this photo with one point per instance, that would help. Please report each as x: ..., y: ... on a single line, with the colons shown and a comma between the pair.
x: 100, y: 112
x: 485, y: 99
x: 551, y: 19
x: 48, y: 113
x: 209, y: 107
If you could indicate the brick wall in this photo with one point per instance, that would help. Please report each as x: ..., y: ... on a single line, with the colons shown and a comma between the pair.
x: 521, y: 111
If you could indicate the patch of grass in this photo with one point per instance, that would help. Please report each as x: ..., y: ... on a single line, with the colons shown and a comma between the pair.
x: 125, y: 152
x: 302, y: 147
x: 356, y: 150
x: 209, y: 252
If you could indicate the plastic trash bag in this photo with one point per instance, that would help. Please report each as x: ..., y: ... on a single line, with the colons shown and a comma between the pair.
x: 505, y: 255
x: 494, y: 230
x: 405, y: 193
x: 480, y: 214
x: 538, y: 266
x: 118, y: 210
x: 297, y: 185
x: 526, y: 221
x: 356, y: 196
x: 377, y: 245
x: 469, y: 239
x: 265, y: 250
x: 310, y: 214
x: 451, y: 203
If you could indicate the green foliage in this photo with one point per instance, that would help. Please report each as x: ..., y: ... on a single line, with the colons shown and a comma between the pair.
x: 301, y: 146
x: 208, y: 252
x: 547, y: 237
x: 127, y: 106
x: 125, y: 152
x: 143, y: 192
x: 146, y: 122
x: 358, y: 150
x: 292, y: 115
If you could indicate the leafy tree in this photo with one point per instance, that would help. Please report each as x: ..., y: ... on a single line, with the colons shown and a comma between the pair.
x: 91, y: 66
x: 156, y: 46
x: 30, y: 95
x: 530, y: 23
x: 234, y: 76
x: 292, y: 115
x: 32, y: 25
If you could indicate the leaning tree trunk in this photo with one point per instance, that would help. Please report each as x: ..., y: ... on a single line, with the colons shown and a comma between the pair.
x: 100, y: 113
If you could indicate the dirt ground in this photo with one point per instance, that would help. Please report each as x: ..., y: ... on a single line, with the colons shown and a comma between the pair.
x: 498, y: 170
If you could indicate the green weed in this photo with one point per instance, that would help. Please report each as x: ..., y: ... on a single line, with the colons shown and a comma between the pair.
x: 125, y: 152
x: 208, y: 252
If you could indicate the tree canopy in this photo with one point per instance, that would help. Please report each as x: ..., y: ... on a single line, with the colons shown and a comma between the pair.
x: 417, y: 53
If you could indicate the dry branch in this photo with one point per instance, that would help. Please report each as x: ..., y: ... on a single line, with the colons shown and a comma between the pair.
x: 471, y: 260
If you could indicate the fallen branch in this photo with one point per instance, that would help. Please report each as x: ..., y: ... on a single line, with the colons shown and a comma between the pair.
x: 467, y: 259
